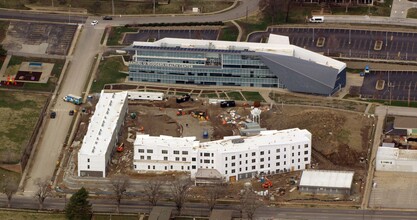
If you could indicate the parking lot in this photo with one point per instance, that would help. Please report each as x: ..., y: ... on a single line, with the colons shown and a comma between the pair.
x: 394, y: 190
x: 154, y: 35
x: 349, y: 43
x: 400, y: 85
x: 39, y: 38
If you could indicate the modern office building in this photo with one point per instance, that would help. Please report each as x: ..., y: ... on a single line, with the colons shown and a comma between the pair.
x: 276, y: 64
x: 102, y: 135
x: 234, y: 157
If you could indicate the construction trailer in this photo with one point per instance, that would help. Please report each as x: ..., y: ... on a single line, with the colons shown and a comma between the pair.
x: 154, y: 96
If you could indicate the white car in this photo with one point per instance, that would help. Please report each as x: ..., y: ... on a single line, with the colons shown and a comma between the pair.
x: 94, y: 22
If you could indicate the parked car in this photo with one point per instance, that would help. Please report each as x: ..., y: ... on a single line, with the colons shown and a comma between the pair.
x: 367, y: 69
x: 107, y: 18
x: 53, y: 114
x: 94, y: 22
x: 71, y: 112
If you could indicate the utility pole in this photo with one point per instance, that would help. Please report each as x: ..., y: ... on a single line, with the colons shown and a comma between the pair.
x: 112, y: 7
x: 409, y: 87
x: 52, y: 3
x: 154, y: 6
x: 69, y: 14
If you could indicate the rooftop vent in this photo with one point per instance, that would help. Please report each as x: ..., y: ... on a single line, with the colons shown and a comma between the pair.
x: 238, y: 141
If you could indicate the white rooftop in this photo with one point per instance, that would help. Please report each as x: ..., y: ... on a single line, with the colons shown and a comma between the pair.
x: 327, y: 178
x: 390, y: 153
x: 277, y: 44
x: 163, y: 140
x: 103, y: 123
x: 264, y: 138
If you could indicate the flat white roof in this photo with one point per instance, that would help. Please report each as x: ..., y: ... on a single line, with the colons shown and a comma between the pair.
x: 168, y: 141
x: 229, y: 143
x: 103, y: 123
x: 390, y: 153
x: 145, y: 93
x: 264, y: 138
x: 327, y: 178
x: 277, y: 44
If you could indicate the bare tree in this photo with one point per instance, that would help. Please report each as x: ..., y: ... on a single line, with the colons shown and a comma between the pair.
x: 44, y: 190
x: 153, y: 191
x: 180, y: 189
x: 214, y: 193
x: 272, y: 8
x: 9, y: 188
x: 119, y: 183
x: 249, y: 203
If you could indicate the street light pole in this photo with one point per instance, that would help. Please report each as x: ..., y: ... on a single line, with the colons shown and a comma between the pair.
x: 69, y: 14
x: 112, y: 7
x: 153, y: 6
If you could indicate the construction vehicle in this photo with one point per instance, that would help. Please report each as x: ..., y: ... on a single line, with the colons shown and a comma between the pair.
x: 120, y: 147
x: 181, y: 112
x: 73, y: 99
x: 266, y: 183
x: 227, y: 104
x: 200, y: 115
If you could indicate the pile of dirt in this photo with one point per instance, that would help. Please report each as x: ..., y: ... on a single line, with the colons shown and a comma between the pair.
x: 344, y: 156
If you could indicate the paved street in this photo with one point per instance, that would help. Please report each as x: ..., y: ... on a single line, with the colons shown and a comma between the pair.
x: 200, y: 209
x: 399, y: 8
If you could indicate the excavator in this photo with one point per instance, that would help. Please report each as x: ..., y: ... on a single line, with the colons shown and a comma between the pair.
x: 267, y: 183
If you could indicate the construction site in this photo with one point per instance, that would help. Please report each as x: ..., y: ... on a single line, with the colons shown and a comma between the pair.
x: 341, y: 139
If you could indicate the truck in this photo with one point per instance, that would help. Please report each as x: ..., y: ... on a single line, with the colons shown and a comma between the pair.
x: 184, y: 98
x: 73, y: 99
x: 227, y: 104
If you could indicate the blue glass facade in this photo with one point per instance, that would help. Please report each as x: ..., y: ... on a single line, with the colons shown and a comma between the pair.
x: 201, y: 67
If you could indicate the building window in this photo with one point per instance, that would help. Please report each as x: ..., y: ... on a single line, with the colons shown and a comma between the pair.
x: 299, y: 153
x: 246, y: 161
x: 212, y: 154
x: 299, y: 160
x: 285, y: 163
x: 306, y: 152
x: 278, y: 164
x: 193, y: 159
x: 153, y: 167
x: 166, y: 167
x: 285, y: 149
x: 135, y: 166
x: 164, y: 152
x: 172, y: 167
x: 278, y: 150
x: 206, y: 161
x: 165, y: 158
x: 88, y: 166
x: 225, y: 158
x: 193, y: 167
x: 292, y: 147
x: 149, y: 167
x: 253, y: 160
x: 269, y: 152
x: 185, y: 152
x: 306, y: 159
x: 292, y: 161
x: 184, y: 159
x: 141, y: 150
x: 269, y: 165
x: 269, y: 159
x: 142, y: 157
x: 149, y: 151
x: 188, y: 167
x: 253, y: 167
x: 240, y: 155
x: 225, y: 165
x: 233, y: 164
x: 207, y: 154
x: 212, y: 161
x: 176, y: 152
x: 233, y: 157
x: 240, y: 169
x: 292, y: 154
x: 285, y: 156
x: 177, y: 159
x: 262, y: 159
x: 148, y: 158
x: 233, y: 171
x: 225, y: 172
x: 246, y: 155
x: 298, y: 146
x: 262, y: 166
x: 253, y: 153
x: 278, y: 157
x: 182, y: 167
x: 88, y: 160
x: 240, y: 162
x: 305, y: 145
x: 262, y: 153
x: 246, y: 168
x: 299, y: 167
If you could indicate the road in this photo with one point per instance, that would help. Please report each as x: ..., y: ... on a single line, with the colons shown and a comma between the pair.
x: 200, y: 209
x: 87, y: 46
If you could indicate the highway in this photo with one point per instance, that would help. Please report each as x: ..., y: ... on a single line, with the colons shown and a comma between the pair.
x: 201, y: 209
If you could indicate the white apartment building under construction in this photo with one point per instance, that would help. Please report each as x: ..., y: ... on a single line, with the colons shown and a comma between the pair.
x: 102, y: 135
x: 235, y: 157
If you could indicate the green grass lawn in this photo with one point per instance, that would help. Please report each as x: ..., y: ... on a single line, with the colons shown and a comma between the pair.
x: 19, y: 114
x: 235, y: 96
x: 253, y: 96
x: 379, y: 9
x: 5, y: 174
x: 15, y: 215
x: 116, y: 34
x: 396, y: 103
x: 108, y: 72
x: 412, y: 13
x: 229, y: 33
